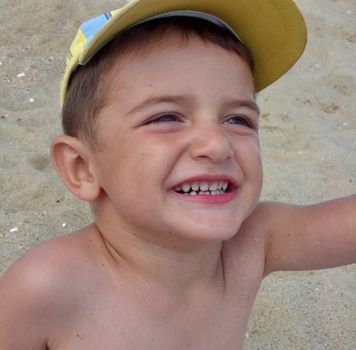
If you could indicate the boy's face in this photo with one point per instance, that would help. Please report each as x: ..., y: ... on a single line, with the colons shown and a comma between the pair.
x: 180, y: 113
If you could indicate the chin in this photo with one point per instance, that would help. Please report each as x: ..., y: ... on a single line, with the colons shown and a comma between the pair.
x: 211, y: 232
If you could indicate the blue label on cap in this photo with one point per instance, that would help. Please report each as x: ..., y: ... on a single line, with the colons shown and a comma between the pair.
x: 93, y: 25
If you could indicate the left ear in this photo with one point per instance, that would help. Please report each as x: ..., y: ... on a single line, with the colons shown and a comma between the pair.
x: 72, y: 160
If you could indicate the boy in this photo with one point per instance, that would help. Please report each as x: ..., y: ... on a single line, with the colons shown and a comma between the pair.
x: 161, y: 139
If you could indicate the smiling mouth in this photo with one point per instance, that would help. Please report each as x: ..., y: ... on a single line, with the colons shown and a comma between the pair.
x: 205, y: 188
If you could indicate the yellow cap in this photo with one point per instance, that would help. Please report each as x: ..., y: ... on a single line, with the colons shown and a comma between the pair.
x: 273, y: 30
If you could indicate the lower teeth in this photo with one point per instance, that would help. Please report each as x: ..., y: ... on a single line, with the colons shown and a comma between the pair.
x: 205, y: 193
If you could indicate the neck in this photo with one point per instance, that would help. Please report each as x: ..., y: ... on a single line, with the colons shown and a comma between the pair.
x: 178, y: 266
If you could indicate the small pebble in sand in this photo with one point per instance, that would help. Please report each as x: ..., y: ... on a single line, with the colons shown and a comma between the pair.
x: 349, y: 12
x: 31, y: 100
x: 14, y: 229
x: 20, y: 75
x: 64, y: 224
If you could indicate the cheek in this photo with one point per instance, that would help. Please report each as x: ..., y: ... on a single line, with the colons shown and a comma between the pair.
x: 256, y: 163
x: 249, y: 158
x: 137, y: 166
x: 248, y: 153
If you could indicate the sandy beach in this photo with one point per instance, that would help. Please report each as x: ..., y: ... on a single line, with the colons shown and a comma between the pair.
x: 308, y: 138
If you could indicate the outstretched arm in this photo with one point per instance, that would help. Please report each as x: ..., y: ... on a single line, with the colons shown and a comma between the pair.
x: 310, y: 237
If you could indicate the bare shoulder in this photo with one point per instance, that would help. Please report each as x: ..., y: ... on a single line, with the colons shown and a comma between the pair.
x: 251, y: 243
x: 41, y: 289
x: 246, y: 251
x: 253, y: 231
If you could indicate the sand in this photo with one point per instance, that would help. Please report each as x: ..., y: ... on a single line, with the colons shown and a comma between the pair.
x: 308, y: 136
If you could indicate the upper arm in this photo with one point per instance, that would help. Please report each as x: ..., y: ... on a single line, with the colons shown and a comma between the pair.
x: 22, y: 315
x: 310, y: 237
x: 43, y: 292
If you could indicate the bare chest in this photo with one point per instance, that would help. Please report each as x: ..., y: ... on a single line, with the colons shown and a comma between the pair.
x: 150, y: 322
x: 136, y: 318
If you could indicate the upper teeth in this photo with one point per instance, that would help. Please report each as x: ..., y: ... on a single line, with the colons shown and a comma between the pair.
x: 203, y: 186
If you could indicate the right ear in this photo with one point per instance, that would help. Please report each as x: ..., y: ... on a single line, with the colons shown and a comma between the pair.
x: 73, y: 162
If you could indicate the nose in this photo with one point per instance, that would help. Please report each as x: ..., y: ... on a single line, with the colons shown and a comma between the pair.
x: 212, y: 143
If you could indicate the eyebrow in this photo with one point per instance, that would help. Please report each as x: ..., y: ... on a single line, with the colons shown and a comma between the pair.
x: 236, y: 103
x: 151, y: 101
x: 179, y: 99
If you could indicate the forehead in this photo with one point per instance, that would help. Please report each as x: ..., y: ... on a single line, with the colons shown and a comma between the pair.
x: 181, y: 66
x: 164, y: 60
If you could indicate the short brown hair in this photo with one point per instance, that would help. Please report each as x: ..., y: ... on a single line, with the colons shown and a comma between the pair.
x: 86, y: 89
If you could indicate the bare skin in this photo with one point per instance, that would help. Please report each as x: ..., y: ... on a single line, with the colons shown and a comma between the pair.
x: 94, y: 305
x: 158, y: 269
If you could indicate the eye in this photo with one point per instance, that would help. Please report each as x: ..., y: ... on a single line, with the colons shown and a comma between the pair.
x: 240, y: 120
x: 163, y: 118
